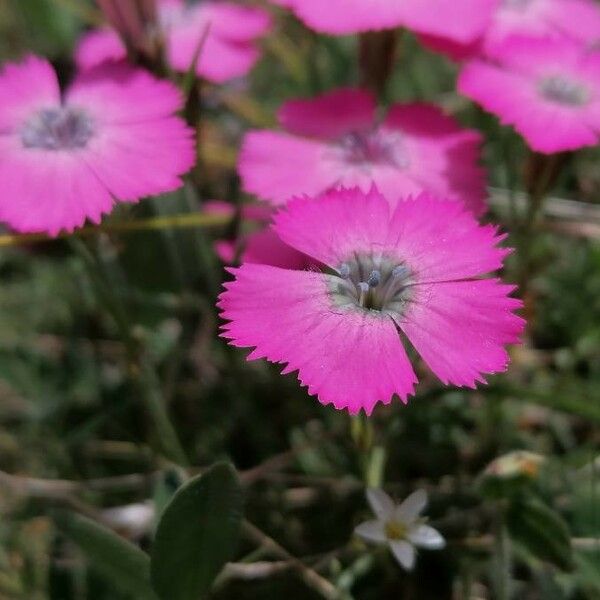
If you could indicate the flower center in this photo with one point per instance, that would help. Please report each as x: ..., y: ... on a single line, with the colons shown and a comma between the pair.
x: 377, y: 146
x: 394, y: 530
x: 57, y: 129
x: 372, y: 283
x: 563, y: 91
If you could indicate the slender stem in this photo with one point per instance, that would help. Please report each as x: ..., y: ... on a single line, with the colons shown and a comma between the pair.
x: 377, y: 54
x: 311, y: 578
x: 541, y: 173
x: 503, y: 557
x: 141, y: 371
x: 181, y: 221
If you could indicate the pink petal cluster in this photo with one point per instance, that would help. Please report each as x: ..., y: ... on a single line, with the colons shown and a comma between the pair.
x: 411, y: 269
x: 64, y: 158
x: 222, y: 35
x: 543, y: 19
x: 549, y: 90
x: 458, y: 20
x: 337, y: 139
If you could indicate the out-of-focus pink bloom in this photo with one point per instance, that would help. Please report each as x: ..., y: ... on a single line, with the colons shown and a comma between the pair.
x: 415, y: 269
x: 543, y: 19
x: 335, y: 139
x: 223, y: 35
x: 261, y: 244
x: 110, y: 137
x: 459, y: 20
x: 549, y: 91
x: 576, y: 19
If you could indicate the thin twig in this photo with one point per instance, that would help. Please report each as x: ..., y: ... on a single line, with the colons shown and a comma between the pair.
x: 312, y: 579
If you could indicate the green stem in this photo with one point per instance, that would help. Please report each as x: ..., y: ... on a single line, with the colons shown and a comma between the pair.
x: 142, y: 372
x: 503, y: 558
x: 377, y: 54
x: 542, y: 172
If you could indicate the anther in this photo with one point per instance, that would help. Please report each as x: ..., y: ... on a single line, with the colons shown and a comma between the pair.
x: 344, y: 271
x: 400, y: 271
x: 374, y: 278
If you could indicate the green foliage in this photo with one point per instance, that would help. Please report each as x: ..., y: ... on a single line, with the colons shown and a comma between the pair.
x: 125, y: 565
x: 72, y: 408
x: 540, y: 530
x: 197, y: 534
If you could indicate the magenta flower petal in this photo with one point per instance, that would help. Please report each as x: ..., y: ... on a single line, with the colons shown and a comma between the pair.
x: 155, y: 156
x: 413, y: 268
x: 548, y: 90
x: 350, y: 360
x: 335, y: 140
x: 330, y: 115
x: 543, y: 19
x: 118, y: 93
x: 416, y: 232
x: 446, y: 159
x: 266, y: 248
x: 219, y: 60
x: 340, y: 17
x: 111, y: 138
x: 98, y: 46
x: 460, y: 20
x: 268, y: 170
x: 477, y: 312
x: 336, y: 228
x: 26, y: 87
x: 47, y: 191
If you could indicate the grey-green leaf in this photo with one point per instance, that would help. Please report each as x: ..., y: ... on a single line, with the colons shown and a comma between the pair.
x: 540, y: 530
x: 125, y: 565
x: 197, y: 534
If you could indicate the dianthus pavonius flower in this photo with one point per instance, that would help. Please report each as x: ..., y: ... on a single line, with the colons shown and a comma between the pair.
x: 391, y: 273
x: 111, y: 136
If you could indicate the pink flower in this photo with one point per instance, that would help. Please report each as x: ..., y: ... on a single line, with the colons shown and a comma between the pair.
x: 413, y: 270
x: 576, y: 19
x: 460, y: 20
x: 336, y: 139
x: 544, y: 19
x: 64, y: 158
x: 229, y: 49
x: 548, y: 90
x: 260, y: 245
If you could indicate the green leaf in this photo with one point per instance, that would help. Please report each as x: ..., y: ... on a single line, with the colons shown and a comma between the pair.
x: 197, y: 534
x: 541, y: 531
x: 46, y: 26
x: 127, y: 567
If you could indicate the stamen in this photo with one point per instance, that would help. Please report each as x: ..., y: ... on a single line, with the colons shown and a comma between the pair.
x: 400, y: 271
x: 374, y: 278
x: 372, y: 282
x: 564, y: 91
x: 377, y: 146
x: 57, y: 129
x: 364, y: 290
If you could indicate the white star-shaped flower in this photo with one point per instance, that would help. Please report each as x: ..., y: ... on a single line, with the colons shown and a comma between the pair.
x: 400, y: 526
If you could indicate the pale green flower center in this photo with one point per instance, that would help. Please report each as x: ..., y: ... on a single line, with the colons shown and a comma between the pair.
x: 396, y: 530
x: 372, y: 283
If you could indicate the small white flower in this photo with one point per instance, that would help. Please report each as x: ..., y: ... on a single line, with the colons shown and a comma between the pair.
x: 400, y: 526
